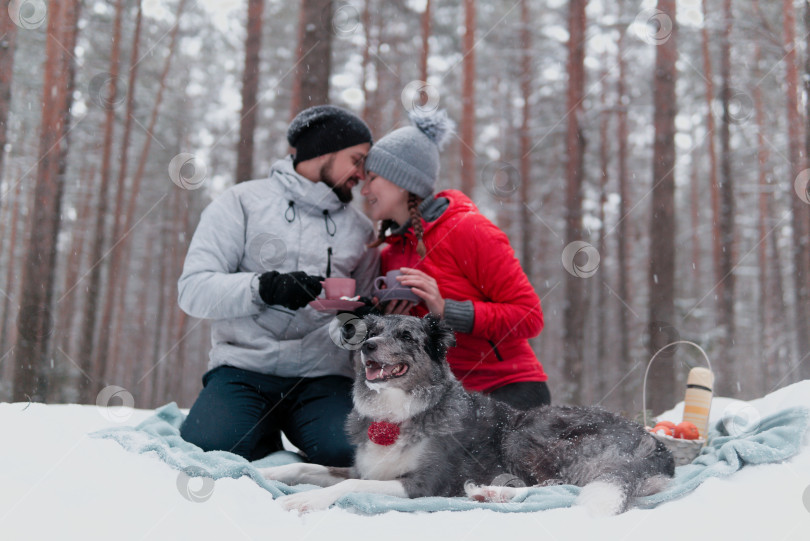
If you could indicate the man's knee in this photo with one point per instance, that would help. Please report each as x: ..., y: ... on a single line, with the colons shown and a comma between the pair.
x: 211, y: 438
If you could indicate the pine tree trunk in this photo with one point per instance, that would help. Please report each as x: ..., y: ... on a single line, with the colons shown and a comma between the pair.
x: 314, y: 57
x: 624, y: 207
x: 765, y: 353
x: 782, y: 343
x: 800, y: 209
x: 662, y: 227
x: 728, y: 374
x: 152, y: 394
x: 423, y: 59
x: 250, y: 89
x: 34, y: 321
x: 804, y: 211
x: 575, y: 312
x: 370, y: 106
x: 181, y: 333
x: 78, y: 243
x: 114, y: 276
x: 525, y: 137
x: 467, y: 124
x: 696, y: 205
x: 714, y: 185
x: 69, y: 39
x: 133, y: 364
x: 170, y: 378
x: 8, y: 46
x: 90, y: 361
x: 124, y: 247
x: 14, y: 216
x: 600, y: 311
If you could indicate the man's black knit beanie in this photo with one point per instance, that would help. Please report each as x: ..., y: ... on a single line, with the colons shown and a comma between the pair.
x: 324, y: 129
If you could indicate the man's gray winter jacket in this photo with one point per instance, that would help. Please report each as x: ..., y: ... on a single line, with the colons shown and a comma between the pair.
x: 284, y: 223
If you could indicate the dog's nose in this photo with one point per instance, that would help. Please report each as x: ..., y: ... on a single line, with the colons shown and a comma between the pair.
x: 369, y: 346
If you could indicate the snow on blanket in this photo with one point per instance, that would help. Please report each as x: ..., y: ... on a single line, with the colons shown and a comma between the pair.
x: 741, y: 437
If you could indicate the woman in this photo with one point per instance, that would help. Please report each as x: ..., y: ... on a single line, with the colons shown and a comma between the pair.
x: 458, y: 262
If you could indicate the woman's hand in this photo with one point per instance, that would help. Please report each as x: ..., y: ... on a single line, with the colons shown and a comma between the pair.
x: 425, y: 287
x: 398, y: 307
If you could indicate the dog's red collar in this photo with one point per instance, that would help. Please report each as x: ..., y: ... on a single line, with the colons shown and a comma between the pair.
x: 383, y: 433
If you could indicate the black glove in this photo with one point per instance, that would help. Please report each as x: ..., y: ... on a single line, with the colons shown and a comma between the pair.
x: 362, y: 311
x: 292, y: 290
x: 368, y: 308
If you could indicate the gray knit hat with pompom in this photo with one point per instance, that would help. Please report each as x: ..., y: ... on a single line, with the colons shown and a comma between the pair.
x: 409, y: 157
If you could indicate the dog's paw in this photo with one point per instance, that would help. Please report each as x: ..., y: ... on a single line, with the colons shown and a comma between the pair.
x: 497, y: 494
x: 287, y: 474
x: 602, y: 499
x: 306, y: 502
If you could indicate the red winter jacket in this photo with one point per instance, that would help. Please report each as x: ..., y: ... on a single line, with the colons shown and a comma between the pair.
x: 471, y: 259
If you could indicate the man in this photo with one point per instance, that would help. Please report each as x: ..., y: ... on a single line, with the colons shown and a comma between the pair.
x: 256, y: 260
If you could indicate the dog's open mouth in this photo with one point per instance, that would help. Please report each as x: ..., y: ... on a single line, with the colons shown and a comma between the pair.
x: 382, y: 372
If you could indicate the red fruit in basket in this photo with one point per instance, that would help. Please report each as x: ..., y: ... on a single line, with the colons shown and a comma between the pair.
x: 668, y: 424
x: 662, y: 429
x: 687, y: 431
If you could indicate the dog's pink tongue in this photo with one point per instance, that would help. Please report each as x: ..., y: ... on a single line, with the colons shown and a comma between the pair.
x: 374, y: 371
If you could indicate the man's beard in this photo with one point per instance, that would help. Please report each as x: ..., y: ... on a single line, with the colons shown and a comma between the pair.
x: 342, y: 191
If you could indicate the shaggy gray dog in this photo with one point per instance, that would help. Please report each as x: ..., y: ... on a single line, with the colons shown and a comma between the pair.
x: 418, y: 432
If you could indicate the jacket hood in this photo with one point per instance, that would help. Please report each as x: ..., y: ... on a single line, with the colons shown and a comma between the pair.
x: 309, y: 194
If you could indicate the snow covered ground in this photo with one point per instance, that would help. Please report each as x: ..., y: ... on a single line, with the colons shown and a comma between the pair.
x: 58, y: 483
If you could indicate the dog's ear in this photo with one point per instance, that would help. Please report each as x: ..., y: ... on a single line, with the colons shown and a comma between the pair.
x: 440, y: 337
x: 371, y: 319
x: 373, y: 322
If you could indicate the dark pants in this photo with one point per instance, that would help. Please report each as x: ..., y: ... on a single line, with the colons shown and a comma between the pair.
x: 523, y: 395
x: 245, y: 412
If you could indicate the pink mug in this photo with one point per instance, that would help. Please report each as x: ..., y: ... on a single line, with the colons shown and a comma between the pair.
x: 335, y: 288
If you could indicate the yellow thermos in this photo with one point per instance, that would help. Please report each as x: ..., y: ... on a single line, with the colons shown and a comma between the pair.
x: 698, y: 399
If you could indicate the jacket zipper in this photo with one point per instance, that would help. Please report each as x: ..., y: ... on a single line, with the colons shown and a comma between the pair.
x: 495, y: 349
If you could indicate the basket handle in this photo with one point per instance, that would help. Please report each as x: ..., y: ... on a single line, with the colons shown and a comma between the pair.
x: 647, y: 371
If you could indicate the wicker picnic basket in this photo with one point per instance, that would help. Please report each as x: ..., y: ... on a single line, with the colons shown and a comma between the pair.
x: 683, y: 451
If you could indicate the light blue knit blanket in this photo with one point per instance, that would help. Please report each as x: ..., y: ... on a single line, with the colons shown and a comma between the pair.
x: 774, y: 439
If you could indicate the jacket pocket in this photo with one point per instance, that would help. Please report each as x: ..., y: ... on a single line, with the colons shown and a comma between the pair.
x: 274, y: 321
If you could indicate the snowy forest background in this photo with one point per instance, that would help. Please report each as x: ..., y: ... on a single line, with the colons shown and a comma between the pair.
x: 647, y: 160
